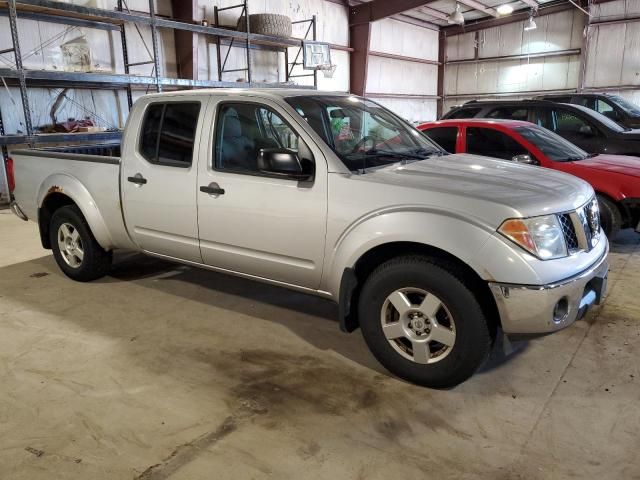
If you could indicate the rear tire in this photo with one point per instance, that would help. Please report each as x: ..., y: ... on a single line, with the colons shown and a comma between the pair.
x: 610, y: 216
x: 437, y: 304
x: 75, y: 249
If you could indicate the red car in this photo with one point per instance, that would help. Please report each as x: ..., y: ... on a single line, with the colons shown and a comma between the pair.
x: 615, y: 178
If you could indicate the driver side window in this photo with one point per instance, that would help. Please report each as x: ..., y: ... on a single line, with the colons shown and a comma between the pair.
x: 243, y: 129
x: 492, y: 143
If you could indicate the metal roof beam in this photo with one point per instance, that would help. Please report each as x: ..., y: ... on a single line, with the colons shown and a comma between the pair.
x: 379, y: 9
x: 480, y: 7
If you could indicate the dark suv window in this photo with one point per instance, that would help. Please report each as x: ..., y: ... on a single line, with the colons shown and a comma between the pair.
x: 464, y: 113
x: 510, y: 113
x: 168, y: 133
x: 492, y: 143
x: 444, y: 136
x: 568, y: 122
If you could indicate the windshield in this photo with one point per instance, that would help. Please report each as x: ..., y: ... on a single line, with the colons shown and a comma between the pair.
x: 631, y: 108
x: 361, y: 132
x: 553, y: 146
x: 601, y: 118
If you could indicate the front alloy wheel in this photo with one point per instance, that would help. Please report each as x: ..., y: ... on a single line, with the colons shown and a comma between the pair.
x: 418, y: 325
x: 422, y: 319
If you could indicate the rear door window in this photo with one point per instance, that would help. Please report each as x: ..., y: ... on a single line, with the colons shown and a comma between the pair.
x: 465, y: 113
x: 444, y: 136
x: 168, y: 133
x: 510, y: 113
x: 492, y: 143
x: 568, y: 122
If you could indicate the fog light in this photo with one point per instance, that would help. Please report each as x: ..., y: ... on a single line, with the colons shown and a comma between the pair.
x: 561, y: 310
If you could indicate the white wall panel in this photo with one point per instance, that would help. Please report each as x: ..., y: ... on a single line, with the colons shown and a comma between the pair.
x: 401, y: 38
x: 608, y: 64
x: 388, y: 75
x: 460, y: 47
x: 413, y: 110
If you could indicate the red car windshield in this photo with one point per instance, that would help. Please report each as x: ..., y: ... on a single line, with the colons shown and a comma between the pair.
x: 553, y: 146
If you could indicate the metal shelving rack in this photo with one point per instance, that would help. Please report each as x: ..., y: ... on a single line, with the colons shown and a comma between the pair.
x: 58, y: 12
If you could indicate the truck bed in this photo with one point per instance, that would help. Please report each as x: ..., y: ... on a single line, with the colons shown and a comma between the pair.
x: 88, y: 171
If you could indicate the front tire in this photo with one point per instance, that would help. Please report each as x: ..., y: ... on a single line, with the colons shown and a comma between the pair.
x: 422, y: 322
x: 75, y: 249
x: 610, y: 216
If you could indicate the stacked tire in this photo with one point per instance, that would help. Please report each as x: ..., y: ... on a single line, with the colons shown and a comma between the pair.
x: 266, y: 24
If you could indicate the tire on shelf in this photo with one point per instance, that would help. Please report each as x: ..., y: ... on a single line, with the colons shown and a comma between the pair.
x: 266, y: 24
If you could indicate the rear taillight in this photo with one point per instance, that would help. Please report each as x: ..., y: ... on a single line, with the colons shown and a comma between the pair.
x: 10, y: 177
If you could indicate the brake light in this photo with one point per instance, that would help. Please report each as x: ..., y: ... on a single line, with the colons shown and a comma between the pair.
x: 10, y: 177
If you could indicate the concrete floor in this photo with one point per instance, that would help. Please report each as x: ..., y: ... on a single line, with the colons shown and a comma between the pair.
x: 161, y: 371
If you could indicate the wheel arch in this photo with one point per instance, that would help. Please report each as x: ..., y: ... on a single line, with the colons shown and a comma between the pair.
x: 61, y: 190
x: 625, y: 213
x: 354, y: 277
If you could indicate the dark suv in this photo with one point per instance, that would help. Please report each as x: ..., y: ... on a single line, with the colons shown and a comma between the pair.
x: 583, y: 127
x: 614, y: 107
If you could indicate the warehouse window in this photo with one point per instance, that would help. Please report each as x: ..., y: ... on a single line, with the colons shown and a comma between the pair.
x: 492, y: 143
x: 168, y: 133
x: 444, y: 136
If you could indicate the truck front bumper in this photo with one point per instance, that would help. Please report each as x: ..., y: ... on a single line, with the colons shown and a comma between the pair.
x: 538, y: 309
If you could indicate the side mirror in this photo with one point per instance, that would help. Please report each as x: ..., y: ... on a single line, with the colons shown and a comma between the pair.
x: 524, y: 159
x: 587, y: 131
x: 613, y: 115
x: 283, y: 163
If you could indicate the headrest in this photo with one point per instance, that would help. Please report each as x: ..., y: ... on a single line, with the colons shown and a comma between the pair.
x: 232, y: 127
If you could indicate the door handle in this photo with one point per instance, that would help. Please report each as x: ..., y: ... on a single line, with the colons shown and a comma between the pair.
x: 212, y: 189
x: 138, y: 179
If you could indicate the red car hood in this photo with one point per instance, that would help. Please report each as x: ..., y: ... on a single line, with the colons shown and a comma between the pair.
x: 613, y: 163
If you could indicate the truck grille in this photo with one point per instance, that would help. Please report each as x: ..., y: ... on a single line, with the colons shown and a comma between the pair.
x: 569, y: 232
x: 581, y: 228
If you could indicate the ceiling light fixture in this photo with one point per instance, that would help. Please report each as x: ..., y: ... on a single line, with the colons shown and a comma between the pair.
x: 456, y: 16
x: 505, y: 9
x: 531, y: 23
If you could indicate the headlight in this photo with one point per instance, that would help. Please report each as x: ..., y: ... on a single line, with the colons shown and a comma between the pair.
x: 540, y: 236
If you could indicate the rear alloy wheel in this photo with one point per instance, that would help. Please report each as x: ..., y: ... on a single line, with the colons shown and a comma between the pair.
x: 423, y: 322
x: 70, y: 245
x: 75, y: 249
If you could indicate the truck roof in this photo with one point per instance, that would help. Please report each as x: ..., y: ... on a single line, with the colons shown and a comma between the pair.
x: 258, y: 92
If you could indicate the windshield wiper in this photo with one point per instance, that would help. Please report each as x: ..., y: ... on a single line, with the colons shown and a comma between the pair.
x: 418, y: 155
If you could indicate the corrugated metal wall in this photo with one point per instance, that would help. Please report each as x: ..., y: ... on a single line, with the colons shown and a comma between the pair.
x: 411, y: 82
x: 486, y: 75
x: 613, y: 60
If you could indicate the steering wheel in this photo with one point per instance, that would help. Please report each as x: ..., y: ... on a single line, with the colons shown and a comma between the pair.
x: 361, y: 143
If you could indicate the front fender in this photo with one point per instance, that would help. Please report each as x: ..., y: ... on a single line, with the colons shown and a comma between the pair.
x: 459, y: 235
x: 74, y: 189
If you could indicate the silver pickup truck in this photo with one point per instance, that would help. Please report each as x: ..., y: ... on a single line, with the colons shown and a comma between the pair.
x: 430, y: 254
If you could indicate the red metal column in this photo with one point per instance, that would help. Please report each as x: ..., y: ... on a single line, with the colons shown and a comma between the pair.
x: 359, y: 37
x: 186, y: 42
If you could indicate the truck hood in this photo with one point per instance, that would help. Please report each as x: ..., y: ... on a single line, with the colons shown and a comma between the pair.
x: 613, y: 163
x: 484, y: 187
